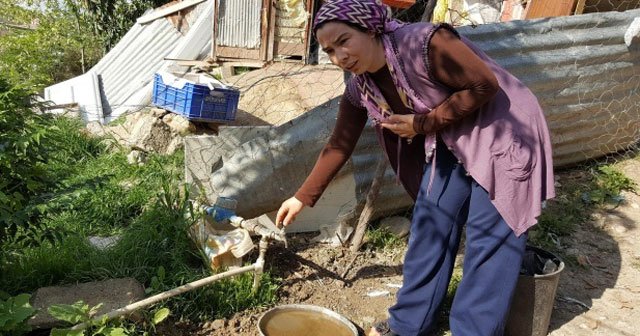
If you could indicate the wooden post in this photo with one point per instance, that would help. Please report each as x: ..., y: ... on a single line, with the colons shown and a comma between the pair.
x: 367, y: 211
x: 580, y: 7
x: 214, y: 33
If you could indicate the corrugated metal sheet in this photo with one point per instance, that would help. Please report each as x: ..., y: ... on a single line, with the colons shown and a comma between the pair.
x: 240, y: 23
x: 585, y: 77
x: 126, y: 72
x: 130, y: 65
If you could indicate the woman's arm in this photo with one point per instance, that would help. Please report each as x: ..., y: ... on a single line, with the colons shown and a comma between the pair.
x: 349, y: 125
x: 456, y: 66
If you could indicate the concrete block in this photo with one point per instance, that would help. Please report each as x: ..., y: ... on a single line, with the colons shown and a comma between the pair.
x: 112, y: 293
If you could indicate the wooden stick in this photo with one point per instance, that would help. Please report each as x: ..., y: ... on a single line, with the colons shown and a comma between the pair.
x: 214, y: 33
x: 346, y: 269
x: 367, y: 211
x: 162, y: 12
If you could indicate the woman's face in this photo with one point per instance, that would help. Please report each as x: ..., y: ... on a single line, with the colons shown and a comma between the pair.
x: 351, y: 49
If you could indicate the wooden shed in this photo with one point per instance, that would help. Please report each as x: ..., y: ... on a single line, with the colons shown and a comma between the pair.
x: 263, y: 30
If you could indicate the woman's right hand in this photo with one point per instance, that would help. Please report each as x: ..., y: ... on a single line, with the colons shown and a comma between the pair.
x: 288, y: 211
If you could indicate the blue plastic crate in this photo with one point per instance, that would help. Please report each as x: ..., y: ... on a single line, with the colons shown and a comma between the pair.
x: 196, y: 101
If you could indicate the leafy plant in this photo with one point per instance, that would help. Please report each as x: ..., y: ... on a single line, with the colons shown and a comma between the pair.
x: 80, y: 312
x: 57, y: 46
x: 22, y: 160
x: 609, y: 184
x: 111, y: 19
x: 381, y: 239
x: 14, y: 313
x: 582, y: 192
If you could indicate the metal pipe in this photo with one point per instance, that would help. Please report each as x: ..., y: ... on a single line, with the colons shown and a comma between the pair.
x: 259, y: 264
x: 165, y: 295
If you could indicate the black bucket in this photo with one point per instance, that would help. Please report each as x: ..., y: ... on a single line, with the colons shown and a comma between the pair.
x: 535, y: 294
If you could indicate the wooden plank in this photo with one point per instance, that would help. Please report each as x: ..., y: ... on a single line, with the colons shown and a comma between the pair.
x: 549, y: 8
x: 183, y: 62
x: 14, y: 26
x: 233, y: 52
x: 580, y: 7
x: 60, y: 106
x: 296, y: 33
x: 271, y: 49
x: 264, y: 29
x: 289, y: 49
x: 307, y: 35
x: 167, y: 10
x: 214, y: 31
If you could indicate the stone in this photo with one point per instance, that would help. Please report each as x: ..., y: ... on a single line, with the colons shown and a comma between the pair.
x: 218, y: 324
x: 367, y: 321
x: 396, y: 225
x: 112, y: 293
x: 632, y: 35
x: 158, y: 112
x: 96, y: 129
x: 150, y: 134
x: 175, y: 144
x: 137, y: 157
x: 619, y: 228
x: 103, y: 243
x: 179, y: 124
x: 120, y: 134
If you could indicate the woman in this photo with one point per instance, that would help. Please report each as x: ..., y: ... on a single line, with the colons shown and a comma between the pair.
x: 468, y: 142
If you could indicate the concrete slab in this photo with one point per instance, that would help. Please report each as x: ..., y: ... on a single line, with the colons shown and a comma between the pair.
x: 112, y: 293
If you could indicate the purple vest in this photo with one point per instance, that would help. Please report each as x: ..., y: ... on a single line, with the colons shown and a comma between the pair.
x: 505, y: 145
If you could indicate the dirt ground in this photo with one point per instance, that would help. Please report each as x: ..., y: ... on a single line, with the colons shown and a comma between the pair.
x: 598, y: 294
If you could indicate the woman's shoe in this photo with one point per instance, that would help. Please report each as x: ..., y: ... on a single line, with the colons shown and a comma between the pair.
x: 383, y: 328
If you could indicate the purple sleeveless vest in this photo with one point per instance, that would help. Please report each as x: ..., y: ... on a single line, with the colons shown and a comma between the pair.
x: 505, y: 145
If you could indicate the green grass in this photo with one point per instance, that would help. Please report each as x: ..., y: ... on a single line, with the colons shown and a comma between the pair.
x: 381, y: 239
x: 96, y: 192
x: 582, y: 192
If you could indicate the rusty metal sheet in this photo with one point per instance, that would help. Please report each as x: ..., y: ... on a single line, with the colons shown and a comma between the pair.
x: 240, y: 23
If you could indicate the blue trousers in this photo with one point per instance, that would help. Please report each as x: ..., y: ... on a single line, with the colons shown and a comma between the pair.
x: 492, y: 256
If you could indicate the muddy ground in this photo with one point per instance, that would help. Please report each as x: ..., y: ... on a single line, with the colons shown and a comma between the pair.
x: 598, y: 294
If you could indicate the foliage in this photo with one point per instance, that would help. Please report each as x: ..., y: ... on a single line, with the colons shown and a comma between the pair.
x: 154, y: 247
x: 58, y: 47
x: 14, y: 313
x: 381, y: 239
x: 111, y: 19
x: 22, y: 159
x: 80, y: 312
x: 609, y: 184
x: 36, y: 155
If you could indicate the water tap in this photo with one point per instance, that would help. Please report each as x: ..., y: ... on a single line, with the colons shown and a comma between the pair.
x: 223, y: 211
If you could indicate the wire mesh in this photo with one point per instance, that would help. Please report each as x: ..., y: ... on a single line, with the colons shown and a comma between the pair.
x: 575, y: 58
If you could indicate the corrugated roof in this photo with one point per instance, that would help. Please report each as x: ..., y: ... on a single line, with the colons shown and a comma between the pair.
x: 584, y: 75
x: 126, y: 72
x: 240, y: 23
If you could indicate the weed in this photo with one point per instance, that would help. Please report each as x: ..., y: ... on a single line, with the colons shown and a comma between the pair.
x: 80, y: 312
x: 381, y: 239
x: 580, y: 194
x: 14, y: 313
x: 609, y: 183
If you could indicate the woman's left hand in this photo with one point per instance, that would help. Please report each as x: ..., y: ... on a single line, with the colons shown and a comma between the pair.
x: 400, y: 124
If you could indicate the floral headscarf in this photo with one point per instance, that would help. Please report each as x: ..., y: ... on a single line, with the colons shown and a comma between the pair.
x: 373, y: 16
